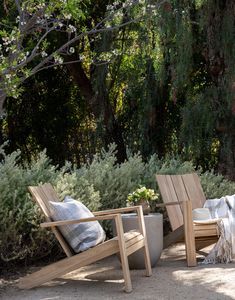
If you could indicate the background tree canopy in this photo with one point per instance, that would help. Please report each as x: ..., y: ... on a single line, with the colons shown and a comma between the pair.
x: 164, y: 83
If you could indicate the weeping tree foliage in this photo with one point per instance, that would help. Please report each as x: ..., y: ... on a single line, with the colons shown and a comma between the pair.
x: 163, y: 83
x: 38, y: 35
x: 103, y: 67
x: 47, y: 116
x: 201, y: 59
x: 140, y: 89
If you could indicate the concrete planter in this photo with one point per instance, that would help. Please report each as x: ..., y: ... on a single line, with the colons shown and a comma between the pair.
x: 154, y: 229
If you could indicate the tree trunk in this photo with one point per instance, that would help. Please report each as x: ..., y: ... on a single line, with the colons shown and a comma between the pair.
x: 101, y: 108
x: 2, y: 100
x: 227, y: 154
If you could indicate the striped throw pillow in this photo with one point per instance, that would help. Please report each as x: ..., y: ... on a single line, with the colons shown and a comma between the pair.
x: 81, y: 236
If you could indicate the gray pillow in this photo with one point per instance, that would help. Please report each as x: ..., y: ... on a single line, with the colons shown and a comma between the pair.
x: 81, y: 236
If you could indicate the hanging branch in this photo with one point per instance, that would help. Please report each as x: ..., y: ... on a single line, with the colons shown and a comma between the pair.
x: 37, y: 22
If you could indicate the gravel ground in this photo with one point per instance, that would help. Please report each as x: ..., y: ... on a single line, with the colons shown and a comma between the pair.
x: 171, y: 279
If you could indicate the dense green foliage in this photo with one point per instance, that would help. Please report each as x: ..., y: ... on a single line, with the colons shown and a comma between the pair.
x: 100, y: 184
x: 163, y: 83
x: 20, y: 236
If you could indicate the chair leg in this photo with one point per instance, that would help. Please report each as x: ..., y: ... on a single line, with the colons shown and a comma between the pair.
x: 189, y: 234
x: 147, y: 259
x: 123, y: 254
x: 146, y: 248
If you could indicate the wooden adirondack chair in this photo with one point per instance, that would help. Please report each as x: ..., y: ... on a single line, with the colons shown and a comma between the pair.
x: 181, y: 194
x: 124, y: 243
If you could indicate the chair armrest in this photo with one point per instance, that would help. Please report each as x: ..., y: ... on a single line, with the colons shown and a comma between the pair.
x: 104, y: 215
x: 116, y: 210
x: 75, y: 221
x: 168, y: 204
x: 99, y: 215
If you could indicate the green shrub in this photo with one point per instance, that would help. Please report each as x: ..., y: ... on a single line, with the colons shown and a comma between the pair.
x: 100, y: 184
x: 113, y: 181
x: 175, y: 165
x: 68, y: 182
x: 216, y: 186
x: 20, y: 236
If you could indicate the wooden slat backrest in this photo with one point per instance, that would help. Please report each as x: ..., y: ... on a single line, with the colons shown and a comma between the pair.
x: 168, y: 193
x: 177, y: 188
x: 194, y: 190
x: 42, y: 195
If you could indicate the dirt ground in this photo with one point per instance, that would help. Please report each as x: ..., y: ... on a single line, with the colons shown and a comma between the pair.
x: 171, y: 279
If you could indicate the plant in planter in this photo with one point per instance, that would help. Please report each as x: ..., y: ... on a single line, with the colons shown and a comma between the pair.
x: 153, y: 224
x: 142, y: 196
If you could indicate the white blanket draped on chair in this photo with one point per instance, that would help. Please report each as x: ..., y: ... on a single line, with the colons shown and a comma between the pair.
x: 224, y: 210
